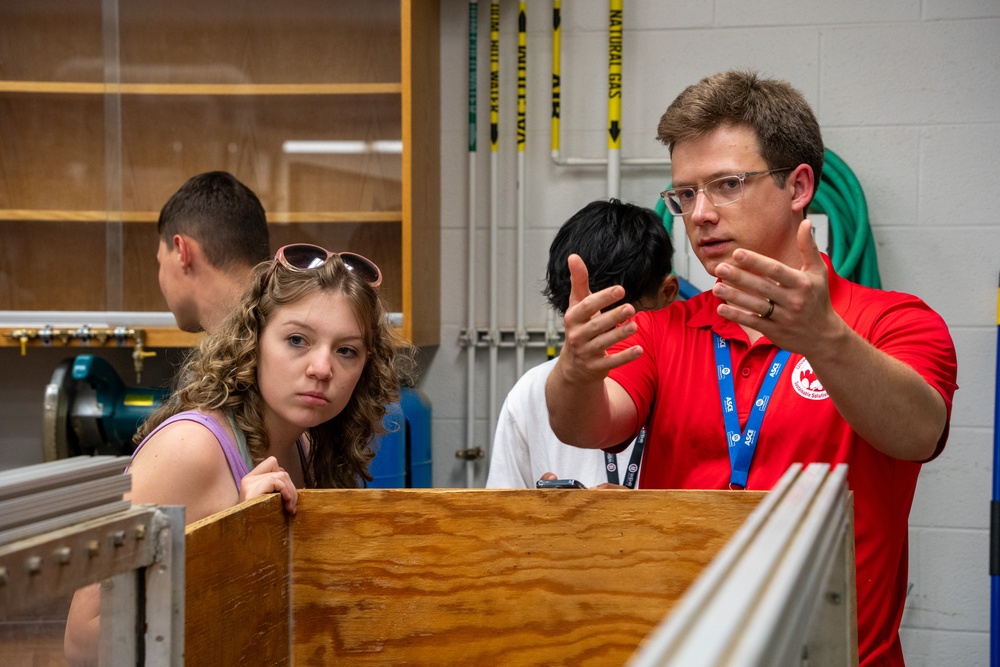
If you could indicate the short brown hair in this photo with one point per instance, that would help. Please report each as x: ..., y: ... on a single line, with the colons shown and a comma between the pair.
x: 787, y: 131
x: 223, y: 215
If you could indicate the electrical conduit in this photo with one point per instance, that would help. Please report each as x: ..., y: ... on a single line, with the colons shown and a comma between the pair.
x: 614, y: 98
x: 470, y: 401
x: 494, y: 332
x: 520, y: 335
x: 995, y: 515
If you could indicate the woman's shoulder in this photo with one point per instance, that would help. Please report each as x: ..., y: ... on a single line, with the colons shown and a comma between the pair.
x: 184, y: 438
x: 183, y: 464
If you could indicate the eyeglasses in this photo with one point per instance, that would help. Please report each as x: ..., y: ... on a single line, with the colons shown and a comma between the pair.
x: 305, y: 257
x: 721, y: 192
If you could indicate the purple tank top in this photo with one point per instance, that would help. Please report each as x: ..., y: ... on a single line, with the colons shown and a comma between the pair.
x: 236, y: 463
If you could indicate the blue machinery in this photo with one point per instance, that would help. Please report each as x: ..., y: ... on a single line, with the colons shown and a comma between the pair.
x: 403, y: 455
x: 88, y: 410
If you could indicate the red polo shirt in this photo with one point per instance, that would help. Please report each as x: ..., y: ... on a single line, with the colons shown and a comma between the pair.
x: 674, y: 386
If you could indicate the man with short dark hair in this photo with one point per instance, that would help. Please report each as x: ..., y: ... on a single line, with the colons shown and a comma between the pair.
x: 212, y: 232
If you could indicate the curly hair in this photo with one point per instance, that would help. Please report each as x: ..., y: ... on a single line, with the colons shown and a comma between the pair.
x: 787, y: 131
x: 221, y: 374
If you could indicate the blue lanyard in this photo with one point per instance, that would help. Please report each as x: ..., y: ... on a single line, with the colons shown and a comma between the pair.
x: 742, y: 445
x: 611, y: 462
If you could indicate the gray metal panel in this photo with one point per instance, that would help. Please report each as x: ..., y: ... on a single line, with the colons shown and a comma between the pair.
x: 780, y: 591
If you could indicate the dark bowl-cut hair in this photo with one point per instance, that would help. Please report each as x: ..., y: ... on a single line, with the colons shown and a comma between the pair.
x: 621, y: 244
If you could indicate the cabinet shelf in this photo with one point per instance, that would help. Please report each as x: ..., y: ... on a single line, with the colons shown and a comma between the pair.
x: 195, y: 89
x: 279, y: 217
x: 326, y: 109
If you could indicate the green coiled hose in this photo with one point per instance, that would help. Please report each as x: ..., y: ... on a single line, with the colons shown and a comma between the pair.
x: 852, y: 247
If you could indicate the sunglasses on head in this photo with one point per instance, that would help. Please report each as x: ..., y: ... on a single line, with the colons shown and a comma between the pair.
x: 305, y: 256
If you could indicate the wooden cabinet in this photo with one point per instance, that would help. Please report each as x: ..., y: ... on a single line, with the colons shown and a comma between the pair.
x: 327, y: 109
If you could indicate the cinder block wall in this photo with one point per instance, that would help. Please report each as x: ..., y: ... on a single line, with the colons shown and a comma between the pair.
x: 906, y: 91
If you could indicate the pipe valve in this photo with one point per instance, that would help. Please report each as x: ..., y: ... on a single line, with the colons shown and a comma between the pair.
x: 139, y: 355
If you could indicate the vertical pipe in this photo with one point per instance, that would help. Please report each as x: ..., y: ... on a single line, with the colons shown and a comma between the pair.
x: 995, y: 515
x: 470, y: 407
x: 556, y: 74
x: 614, y: 97
x: 114, y: 240
x: 520, y: 336
x: 550, y: 334
x: 550, y: 316
x: 494, y: 209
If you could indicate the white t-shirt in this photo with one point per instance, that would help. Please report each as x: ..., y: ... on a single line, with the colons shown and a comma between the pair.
x: 525, y: 446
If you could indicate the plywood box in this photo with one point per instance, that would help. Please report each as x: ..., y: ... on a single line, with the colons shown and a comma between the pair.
x: 458, y: 577
x: 449, y: 577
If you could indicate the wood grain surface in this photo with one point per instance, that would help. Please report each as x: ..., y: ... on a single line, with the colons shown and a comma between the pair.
x: 434, y: 577
x: 236, y: 587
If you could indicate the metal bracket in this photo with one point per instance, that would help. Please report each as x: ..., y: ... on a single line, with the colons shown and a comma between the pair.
x: 511, y: 338
x: 473, y: 454
x: 144, y: 538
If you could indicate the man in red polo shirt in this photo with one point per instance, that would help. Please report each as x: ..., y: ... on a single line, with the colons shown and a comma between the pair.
x: 782, y: 361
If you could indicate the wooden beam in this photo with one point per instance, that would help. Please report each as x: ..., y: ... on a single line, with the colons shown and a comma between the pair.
x: 236, y: 584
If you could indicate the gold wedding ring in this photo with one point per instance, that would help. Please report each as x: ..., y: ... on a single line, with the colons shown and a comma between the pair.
x: 770, y: 309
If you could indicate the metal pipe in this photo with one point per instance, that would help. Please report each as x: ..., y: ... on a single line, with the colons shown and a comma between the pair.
x: 614, y: 98
x: 551, y: 336
x: 557, y: 158
x: 114, y: 240
x: 995, y: 515
x: 556, y: 76
x: 522, y: 86
x: 470, y: 406
x: 494, y: 208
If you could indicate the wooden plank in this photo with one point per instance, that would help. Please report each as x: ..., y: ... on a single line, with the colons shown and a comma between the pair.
x: 33, y: 215
x: 236, y: 586
x: 421, y: 171
x: 192, y: 41
x: 84, y: 88
x: 430, y: 577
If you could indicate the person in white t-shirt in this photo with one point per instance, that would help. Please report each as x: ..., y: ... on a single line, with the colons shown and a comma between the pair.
x: 621, y: 244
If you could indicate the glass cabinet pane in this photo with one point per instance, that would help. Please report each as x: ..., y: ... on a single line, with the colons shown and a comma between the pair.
x: 109, y: 107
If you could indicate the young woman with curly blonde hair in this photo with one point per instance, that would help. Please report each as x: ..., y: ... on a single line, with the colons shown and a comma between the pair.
x: 288, y: 393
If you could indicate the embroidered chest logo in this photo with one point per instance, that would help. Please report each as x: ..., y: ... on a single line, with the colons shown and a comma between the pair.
x: 806, y: 383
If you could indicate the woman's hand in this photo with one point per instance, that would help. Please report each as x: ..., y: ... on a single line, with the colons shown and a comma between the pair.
x: 269, y: 477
